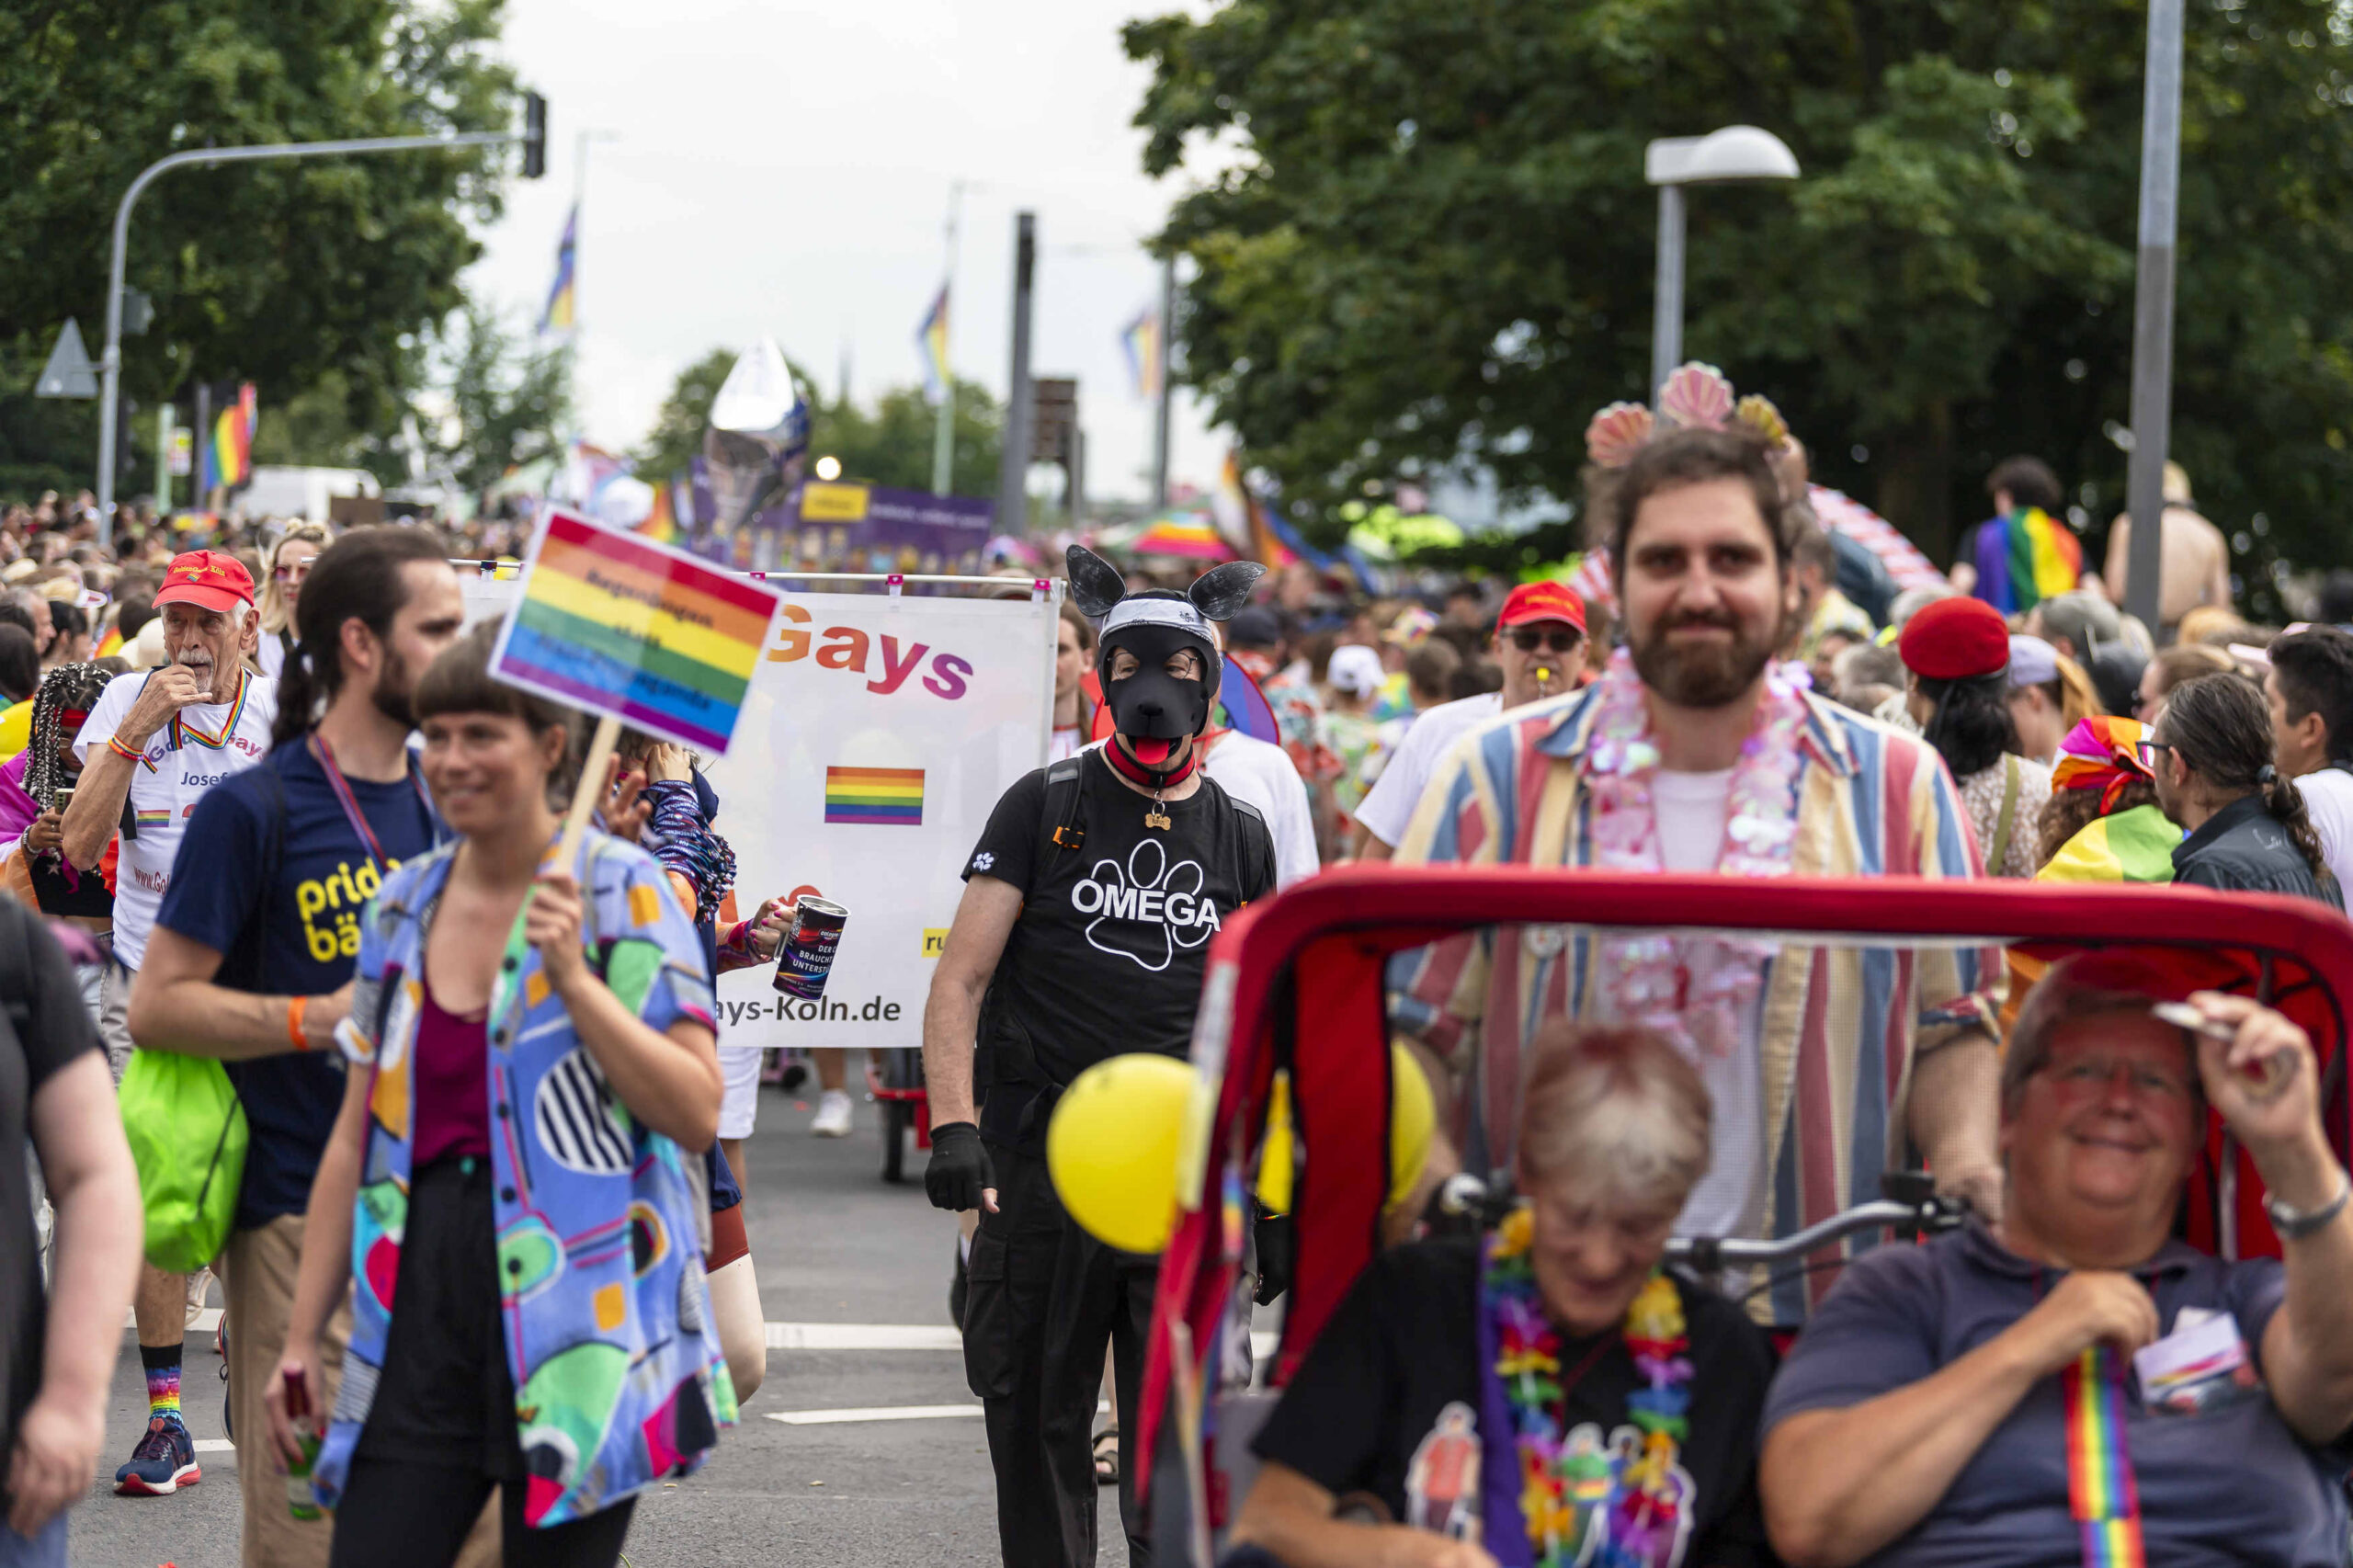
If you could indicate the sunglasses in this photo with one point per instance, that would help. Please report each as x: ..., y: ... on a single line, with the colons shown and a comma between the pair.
x: 1527, y: 640
x: 292, y: 573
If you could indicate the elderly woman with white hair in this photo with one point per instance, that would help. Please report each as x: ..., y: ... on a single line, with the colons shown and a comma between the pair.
x: 1549, y: 1394
x: 2072, y: 1383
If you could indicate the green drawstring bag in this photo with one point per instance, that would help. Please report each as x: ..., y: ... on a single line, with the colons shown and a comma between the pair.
x: 187, y: 1137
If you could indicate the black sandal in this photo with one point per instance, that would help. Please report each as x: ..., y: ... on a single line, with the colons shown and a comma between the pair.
x: 1107, y: 1457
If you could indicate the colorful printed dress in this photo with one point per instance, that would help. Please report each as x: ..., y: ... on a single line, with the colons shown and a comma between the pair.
x: 618, y: 1372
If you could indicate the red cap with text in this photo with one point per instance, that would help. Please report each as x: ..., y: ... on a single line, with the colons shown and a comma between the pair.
x: 1547, y: 600
x: 209, y: 579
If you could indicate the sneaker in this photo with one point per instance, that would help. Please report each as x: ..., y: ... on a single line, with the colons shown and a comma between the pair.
x: 792, y: 1071
x: 164, y: 1462
x: 199, y: 1286
x: 833, y: 1115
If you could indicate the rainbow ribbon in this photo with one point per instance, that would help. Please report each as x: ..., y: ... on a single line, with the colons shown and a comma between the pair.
x: 2100, y: 1489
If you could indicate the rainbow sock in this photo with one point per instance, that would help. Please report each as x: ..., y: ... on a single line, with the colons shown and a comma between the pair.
x: 163, y: 1364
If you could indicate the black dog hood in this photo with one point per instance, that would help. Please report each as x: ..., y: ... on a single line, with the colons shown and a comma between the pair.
x: 1151, y: 704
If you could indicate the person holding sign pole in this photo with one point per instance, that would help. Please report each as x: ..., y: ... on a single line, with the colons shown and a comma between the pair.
x: 533, y: 1066
x: 1083, y: 932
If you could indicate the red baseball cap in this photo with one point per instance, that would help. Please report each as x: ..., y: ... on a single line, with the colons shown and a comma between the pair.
x: 209, y: 579
x: 1547, y: 600
x: 1955, y: 638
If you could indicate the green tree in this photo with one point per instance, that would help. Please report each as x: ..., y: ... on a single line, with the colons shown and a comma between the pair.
x: 676, y: 435
x: 273, y: 273
x: 509, y: 400
x: 891, y: 444
x: 1436, y: 244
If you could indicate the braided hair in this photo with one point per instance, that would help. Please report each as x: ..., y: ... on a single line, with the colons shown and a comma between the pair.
x: 2219, y: 727
x: 67, y: 687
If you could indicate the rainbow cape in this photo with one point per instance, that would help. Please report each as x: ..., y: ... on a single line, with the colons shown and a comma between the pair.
x: 2025, y: 557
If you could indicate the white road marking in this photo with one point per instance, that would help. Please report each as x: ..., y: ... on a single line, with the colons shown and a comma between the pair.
x: 215, y: 1446
x: 877, y: 1412
x: 862, y: 1336
x: 903, y: 1337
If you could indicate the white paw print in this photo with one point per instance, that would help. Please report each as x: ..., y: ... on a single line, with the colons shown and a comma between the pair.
x: 983, y: 860
x: 1158, y: 905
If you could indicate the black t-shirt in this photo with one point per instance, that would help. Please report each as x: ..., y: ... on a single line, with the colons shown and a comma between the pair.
x: 1108, y: 953
x: 40, y: 1031
x: 1403, y: 1349
x: 309, y: 938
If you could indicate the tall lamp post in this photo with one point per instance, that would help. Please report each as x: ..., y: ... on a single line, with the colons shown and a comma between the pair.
x: 1735, y: 153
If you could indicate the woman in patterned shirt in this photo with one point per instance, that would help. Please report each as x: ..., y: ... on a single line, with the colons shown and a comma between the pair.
x: 1958, y: 652
x: 532, y: 1051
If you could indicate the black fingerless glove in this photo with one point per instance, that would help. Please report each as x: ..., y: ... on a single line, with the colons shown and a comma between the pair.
x: 960, y: 1167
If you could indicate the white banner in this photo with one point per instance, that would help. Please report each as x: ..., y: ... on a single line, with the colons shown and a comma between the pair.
x: 879, y: 734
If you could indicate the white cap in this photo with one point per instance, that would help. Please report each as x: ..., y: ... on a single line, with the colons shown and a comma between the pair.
x: 1357, y: 670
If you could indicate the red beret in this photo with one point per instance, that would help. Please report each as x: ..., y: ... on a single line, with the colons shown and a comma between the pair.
x: 1955, y: 639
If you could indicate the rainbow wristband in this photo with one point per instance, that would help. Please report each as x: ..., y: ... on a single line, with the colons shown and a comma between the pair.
x: 116, y: 746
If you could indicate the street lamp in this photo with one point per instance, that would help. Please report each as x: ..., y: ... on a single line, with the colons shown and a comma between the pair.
x: 1735, y: 153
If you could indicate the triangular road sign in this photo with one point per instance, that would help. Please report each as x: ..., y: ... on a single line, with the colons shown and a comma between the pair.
x: 69, y: 372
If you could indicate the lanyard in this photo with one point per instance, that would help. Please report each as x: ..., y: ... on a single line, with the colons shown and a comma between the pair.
x: 350, y: 803
x: 2102, y: 1495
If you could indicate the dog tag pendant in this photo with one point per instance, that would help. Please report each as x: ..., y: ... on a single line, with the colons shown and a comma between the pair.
x: 1153, y: 818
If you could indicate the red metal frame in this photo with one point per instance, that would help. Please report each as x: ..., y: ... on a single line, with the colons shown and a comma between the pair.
x: 1326, y: 940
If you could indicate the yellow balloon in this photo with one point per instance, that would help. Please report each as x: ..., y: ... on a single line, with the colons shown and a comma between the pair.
x: 1275, y: 1153
x: 1111, y: 1148
x: 1413, y: 1115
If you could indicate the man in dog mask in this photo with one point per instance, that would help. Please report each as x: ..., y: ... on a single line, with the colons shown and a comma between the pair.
x: 1088, y: 907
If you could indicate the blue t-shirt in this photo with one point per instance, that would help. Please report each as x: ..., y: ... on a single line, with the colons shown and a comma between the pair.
x: 309, y: 942
x: 2229, y: 1485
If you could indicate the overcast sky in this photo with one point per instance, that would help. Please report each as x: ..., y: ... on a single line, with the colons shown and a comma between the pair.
x: 785, y: 168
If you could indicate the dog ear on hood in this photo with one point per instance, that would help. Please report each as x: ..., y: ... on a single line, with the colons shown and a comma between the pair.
x: 1219, y: 594
x: 1095, y: 583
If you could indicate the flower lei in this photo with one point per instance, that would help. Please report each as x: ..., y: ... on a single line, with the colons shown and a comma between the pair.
x: 1565, y: 1497
x: 1695, y: 991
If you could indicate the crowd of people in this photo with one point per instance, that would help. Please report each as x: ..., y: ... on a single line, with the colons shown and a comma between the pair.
x: 290, y: 834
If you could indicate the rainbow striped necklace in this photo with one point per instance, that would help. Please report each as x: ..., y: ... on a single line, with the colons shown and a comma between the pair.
x: 2100, y: 1489
x: 183, y: 732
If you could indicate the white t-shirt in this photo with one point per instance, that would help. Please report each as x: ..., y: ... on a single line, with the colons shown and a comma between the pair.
x: 1261, y: 774
x: 1388, y: 809
x: 1691, y: 807
x: 2328, y: 795
x: 272, y: 654
x: 211, y: 742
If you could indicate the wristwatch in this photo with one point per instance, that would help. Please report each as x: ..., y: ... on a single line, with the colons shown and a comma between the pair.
x: 2292, y: 1224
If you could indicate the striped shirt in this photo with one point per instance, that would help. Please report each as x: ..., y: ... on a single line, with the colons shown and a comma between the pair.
x: 1839, y: 1026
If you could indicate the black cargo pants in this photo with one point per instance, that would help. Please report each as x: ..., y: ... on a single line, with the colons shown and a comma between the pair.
x: 1042, y: 1300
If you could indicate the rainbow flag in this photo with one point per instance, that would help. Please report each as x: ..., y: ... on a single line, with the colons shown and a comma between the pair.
x: 564, y: 293
x: 931, y: 344
x: 1140, y: 339
x: 661, y: 523
x: 227, y: 458
x: 2025, y: 557
x: 877, y: 796
x: 614, y: 623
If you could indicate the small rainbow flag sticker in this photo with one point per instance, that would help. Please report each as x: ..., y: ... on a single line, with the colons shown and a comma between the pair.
x: 878, y: 797
x: 615, y: 623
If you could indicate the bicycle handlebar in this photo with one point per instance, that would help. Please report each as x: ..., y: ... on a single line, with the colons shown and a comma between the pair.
x: 1910, y: 1208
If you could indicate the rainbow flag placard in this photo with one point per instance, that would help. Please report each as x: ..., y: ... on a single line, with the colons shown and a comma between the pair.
x: 875, y: 797
x: 614, y: 623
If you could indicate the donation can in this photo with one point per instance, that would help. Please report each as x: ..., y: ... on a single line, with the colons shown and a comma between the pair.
x: 807, y: 956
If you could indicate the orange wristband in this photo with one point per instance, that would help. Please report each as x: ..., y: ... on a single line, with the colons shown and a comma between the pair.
x: 294, y: 1006
x: 117, y: 747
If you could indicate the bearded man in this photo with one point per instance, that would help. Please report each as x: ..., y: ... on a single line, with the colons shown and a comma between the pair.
x: 1696, y: 753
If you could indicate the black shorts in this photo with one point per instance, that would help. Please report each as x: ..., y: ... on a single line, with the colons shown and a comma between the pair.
x: 445, y: 1396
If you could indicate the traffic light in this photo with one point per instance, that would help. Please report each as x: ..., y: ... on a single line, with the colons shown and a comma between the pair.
x: 535, y: 136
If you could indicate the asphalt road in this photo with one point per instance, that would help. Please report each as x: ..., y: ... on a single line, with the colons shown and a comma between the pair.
x: 836, y: 1247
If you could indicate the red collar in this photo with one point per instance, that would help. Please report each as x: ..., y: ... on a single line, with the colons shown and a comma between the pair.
x: 1135, y: 772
